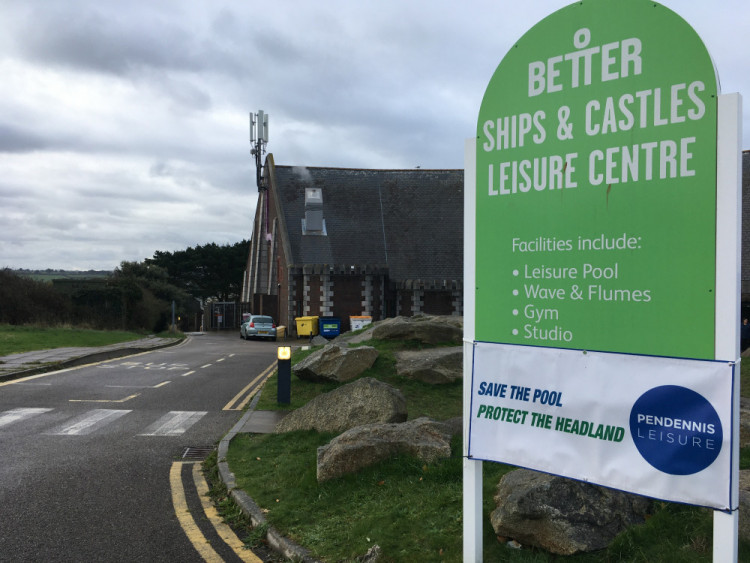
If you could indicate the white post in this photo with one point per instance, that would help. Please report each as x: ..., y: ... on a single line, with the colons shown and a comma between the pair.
x: 472, y: 470
x: 728, y: 287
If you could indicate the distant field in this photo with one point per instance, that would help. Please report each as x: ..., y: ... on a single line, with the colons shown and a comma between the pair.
x: 49, y: 275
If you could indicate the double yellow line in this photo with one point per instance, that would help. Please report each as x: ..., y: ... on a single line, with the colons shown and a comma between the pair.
x: 251, y: 389
x: 191, y: 529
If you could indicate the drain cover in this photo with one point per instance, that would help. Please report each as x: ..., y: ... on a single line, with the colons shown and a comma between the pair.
x: 197, y: 453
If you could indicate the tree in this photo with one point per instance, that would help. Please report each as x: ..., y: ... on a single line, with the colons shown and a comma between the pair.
x: 209, y: 271
x: 138, y: 295
x: 147, y: 295
x: 25, y: 301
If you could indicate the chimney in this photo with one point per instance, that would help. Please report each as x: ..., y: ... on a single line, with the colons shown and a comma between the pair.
x: 313, y: 223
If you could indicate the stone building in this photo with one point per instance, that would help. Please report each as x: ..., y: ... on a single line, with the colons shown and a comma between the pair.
x: 342, y: 242
x: 349, y: 242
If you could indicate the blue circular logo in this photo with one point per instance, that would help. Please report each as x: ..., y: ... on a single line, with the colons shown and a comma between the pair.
x: 676, y: 430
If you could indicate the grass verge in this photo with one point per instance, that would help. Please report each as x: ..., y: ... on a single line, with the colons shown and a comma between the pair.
x: 410, y: 509
x: 228, y: 509
x: 17, y: 339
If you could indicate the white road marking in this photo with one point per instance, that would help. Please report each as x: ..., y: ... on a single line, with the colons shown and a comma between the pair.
x: 104, y: 400
x: 162, y: 384
x: 88, y: 422
x: 15, y: 415
x: 174, y: 423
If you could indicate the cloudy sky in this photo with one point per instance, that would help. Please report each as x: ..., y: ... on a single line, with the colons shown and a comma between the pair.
x: 124, y: 125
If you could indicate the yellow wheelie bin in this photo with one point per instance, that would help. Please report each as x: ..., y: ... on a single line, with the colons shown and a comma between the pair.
x: 307, y: 326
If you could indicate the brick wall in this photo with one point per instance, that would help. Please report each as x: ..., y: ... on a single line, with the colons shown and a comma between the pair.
x: 438, y: 303
x: 347, y: 298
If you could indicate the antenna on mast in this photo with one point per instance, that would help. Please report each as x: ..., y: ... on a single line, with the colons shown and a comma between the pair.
x: 258, y: 142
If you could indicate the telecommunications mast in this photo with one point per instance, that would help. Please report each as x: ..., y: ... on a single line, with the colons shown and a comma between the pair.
x: 258, y: 141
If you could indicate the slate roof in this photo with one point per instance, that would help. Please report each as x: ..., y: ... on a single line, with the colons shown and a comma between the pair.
x: 408, y: 220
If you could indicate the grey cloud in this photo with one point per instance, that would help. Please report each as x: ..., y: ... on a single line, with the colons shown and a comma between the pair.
x: 88, y: 36
x: 127, y: 117
x: 14, y: 139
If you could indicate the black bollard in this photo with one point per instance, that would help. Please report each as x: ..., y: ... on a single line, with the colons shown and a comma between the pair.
x: 284, y: 366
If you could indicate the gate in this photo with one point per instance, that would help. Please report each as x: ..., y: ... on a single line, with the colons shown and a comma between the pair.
x: 223, y: 315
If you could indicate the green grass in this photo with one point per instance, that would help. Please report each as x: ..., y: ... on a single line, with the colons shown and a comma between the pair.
x: 411, y: 509
x: 17, y: 339
x: 404, y: 506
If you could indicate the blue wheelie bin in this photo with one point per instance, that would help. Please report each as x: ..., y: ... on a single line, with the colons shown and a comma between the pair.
x: 330, y: 327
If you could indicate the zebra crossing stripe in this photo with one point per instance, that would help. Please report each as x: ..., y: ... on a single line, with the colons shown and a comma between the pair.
x: 89, y: 422
x: 9, y: 417
x: 174, y: 423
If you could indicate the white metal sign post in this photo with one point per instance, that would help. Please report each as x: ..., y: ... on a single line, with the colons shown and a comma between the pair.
x: 728, y: 271
x: 472, y: 469
x: 602, y: 221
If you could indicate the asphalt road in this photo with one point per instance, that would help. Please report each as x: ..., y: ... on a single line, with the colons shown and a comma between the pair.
x: 87, y: 452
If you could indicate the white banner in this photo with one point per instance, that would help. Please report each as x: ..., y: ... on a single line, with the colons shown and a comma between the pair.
x: 659, y: 427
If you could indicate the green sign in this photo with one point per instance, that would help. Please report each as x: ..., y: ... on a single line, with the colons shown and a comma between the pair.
x: 596, y: 185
